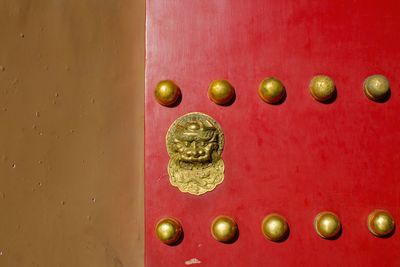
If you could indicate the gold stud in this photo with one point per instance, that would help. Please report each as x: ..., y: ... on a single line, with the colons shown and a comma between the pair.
x: 271, y: 90
x: 224, y: 229
x: 376, y: 87
x: 380, y: 223
x: 169, y: 231
x: 322, y: 88
x: 275, y: 227
x: 327, y: 225
x: 167, y: 93
x: 221, y: 92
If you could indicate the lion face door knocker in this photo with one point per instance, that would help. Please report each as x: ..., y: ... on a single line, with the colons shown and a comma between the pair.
x: 194, y: 143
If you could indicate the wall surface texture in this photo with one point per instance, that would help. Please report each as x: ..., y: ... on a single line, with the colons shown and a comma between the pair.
x: 71, y: 131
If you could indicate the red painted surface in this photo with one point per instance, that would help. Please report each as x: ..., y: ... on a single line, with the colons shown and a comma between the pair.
x: 297, y: 158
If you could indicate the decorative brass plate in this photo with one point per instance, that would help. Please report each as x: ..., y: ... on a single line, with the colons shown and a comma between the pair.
x: 195, y: 143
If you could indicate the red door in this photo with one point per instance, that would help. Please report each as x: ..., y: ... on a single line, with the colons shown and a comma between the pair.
x: 297, y: 157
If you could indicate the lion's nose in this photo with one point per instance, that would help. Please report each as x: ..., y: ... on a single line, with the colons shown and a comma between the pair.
x: 193, y: 153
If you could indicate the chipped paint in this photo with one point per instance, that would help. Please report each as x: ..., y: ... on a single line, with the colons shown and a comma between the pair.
x: 192, y: 261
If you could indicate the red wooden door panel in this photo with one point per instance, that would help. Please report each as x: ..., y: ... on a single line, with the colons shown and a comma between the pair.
x: 297, y: 158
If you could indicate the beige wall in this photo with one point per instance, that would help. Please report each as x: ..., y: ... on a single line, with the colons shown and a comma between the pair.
x: 71, y: 116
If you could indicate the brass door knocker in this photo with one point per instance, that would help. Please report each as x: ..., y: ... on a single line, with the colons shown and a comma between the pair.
x: 195, y: 143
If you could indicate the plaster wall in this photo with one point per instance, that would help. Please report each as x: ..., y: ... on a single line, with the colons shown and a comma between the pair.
x: 71, y: 133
